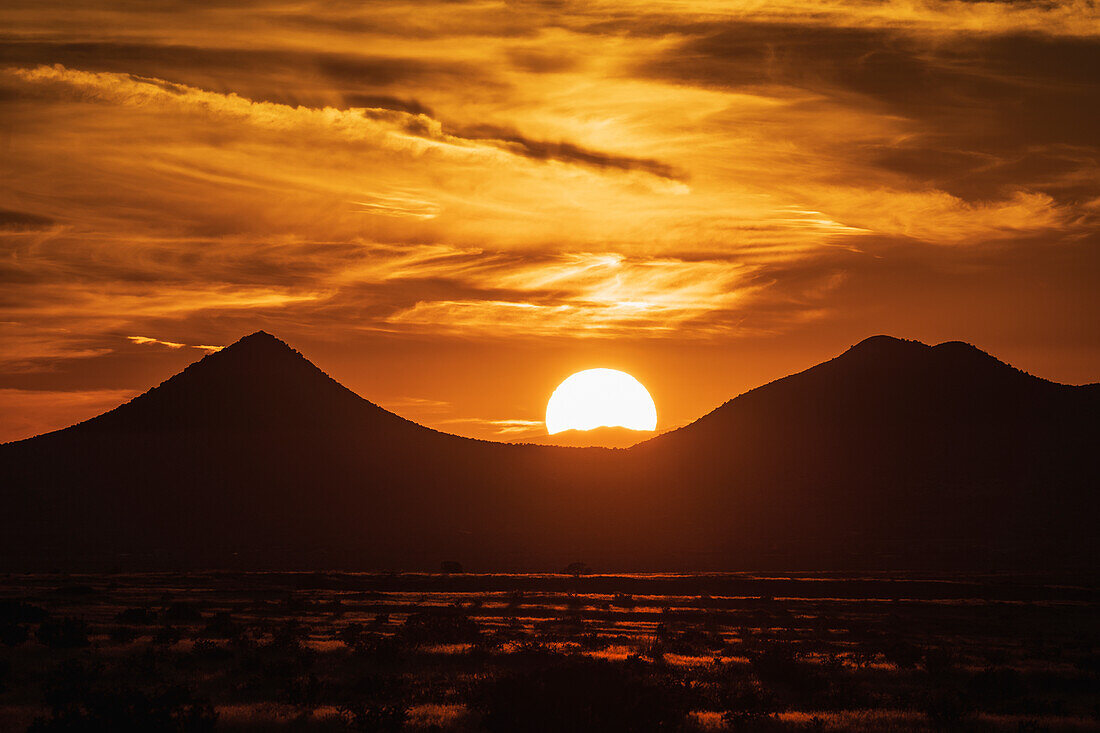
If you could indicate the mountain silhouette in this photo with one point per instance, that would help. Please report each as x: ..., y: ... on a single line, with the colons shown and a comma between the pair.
x: 256, y: 384
x: 893, y: 455
x: 602, y: 437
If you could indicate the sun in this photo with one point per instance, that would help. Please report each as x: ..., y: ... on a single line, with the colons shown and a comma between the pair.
x: 598, y: 398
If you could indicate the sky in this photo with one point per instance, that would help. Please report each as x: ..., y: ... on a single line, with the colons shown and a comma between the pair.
x: 452, y: 206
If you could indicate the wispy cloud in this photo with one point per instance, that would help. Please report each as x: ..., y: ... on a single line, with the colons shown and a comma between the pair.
x: 146, y: 340
x: 398, y: 130
x: 506, y: 428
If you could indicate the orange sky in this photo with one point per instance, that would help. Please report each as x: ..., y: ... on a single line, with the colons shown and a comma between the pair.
x: 450, y: 206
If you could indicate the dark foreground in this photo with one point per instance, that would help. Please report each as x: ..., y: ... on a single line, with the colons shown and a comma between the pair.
x: 236, y: 651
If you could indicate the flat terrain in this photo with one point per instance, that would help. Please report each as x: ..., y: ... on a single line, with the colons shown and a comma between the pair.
x: 252, y: 651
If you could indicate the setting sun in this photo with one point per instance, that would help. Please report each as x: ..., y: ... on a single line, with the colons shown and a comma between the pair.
x: 598, y: 398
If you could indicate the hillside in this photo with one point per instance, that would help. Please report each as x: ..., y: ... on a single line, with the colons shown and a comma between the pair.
x: 894, y: 454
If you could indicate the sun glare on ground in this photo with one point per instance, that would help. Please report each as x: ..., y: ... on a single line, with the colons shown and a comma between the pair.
x: 598, y: 398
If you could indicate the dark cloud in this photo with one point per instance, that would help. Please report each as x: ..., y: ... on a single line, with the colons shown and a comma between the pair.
x: 567, y: 152
x: 992, y: 111
x: 542, y: 62
x: 382, y: 101
x: 21, y: 221
x: 469, y: 19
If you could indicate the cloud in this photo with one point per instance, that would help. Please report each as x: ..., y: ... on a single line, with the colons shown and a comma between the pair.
x: 566, y: 152
x: 146, y: 340
x: 508, y: 428
x: 393, y: 129
x: 21, y: 221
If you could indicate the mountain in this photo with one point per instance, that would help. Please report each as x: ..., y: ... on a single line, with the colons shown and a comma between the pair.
x: 893, y: 455
x: 602, y: 437
x: 899, y: 450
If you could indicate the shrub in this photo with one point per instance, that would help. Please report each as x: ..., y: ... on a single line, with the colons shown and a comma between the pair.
x: 946, y: 708
x: 222, y: 626
x: 13, y: 634
x: 374, y: 718
x: 303, y: 692
x: 65, y: 633
x: 748, y: 706
x: 440, y: 626
x: 939, y: 663
x: 182, y: 612
x: 379, y: 649
x: 581, y: 694
x: 350, y: 634
x: 998, y: 688
x: 167, y: 636
x: 20, y: 612
x: 94, y: 709
x: 577, y: 569
x: 122, y: 634
x: 137, y: 617
x: 804, y: 683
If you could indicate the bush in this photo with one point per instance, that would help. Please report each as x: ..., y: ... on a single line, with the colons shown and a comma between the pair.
x: 440, y: 626
x: 748, y: 706
x: 374, y: 718
x: 13, y: 634
x: 122, y: 634
x: 303, y: 692
x: 939, y: 663
x: 999, y: 688
x: 171, y: 709
x: 182, y: 612
x: 581, y: 694
x: 803, y: 683
x: 19, y: 612
x: 379, y: 649
x: 65, y: 633
x: 222, y: 626
x: 351, y: 634
x: 946, y: 708
x: 167, y: 636
x: 137, y: 617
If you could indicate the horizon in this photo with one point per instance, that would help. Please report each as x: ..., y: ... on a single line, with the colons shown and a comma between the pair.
x: 618, y: 437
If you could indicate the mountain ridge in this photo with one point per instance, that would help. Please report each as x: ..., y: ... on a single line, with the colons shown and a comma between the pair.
x: 893, y: 452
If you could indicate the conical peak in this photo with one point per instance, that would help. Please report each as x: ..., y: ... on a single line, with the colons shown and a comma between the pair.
x: 256, y: 348
x: 891, y: 353
x: 883, y: 344
x: 256, y: 382
x: 259, y: 339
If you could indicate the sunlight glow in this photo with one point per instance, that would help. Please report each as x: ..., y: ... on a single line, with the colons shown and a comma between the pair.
x: 600, y: 398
